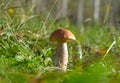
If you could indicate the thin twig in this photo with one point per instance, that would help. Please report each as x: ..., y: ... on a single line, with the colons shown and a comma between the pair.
x: 50, y: 11
x: 109, y: 49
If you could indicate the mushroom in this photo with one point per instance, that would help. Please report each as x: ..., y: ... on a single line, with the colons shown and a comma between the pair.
x: 62, y: 36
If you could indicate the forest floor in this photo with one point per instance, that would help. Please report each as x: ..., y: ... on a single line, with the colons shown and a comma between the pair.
x: 26, y: 54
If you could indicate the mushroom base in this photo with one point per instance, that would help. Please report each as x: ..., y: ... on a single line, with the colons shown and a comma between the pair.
x: 61, y: 58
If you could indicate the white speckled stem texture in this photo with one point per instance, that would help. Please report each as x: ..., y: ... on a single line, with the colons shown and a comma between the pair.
x: 61, y: 58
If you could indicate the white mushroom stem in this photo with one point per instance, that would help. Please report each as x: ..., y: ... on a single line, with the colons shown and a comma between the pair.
x: 61, y: 58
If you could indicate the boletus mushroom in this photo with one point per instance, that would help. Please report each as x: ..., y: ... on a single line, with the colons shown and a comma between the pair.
x: 62, y: 36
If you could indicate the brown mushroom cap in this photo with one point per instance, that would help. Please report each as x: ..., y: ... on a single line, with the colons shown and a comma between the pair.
x: 62, y: 35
